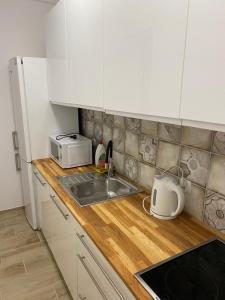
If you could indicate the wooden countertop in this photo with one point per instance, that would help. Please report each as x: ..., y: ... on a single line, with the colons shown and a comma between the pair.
x: 128, y: 238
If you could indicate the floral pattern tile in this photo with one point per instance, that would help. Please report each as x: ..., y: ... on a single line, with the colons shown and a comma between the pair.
x: 167, y: 156
x: 108, y: 120
x: 214, y: 211
x: 146, y: 176
x: 149, y: 127
x: 98, y: 116
x: 118, y: 139
x: 90, y: 115
x: 131, y: 168
x: 133, y: 125
x: 107, y: 134
x: 143, y: 148
x: 119, y: 121
x: 195, y: 165
x: 118, y: 161
x: 194, y: 201
x: 98, y: 132
x: 196, y: 137
x: 216, y: 181
x: 89, y: 129
x: 148, y: 149
x: 170, y: 133
x: 131, y: 144
x: 219, y: 143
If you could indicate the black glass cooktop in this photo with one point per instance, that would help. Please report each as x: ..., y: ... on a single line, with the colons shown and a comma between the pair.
x: 197, y: 274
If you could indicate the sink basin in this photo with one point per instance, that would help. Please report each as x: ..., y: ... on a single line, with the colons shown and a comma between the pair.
x: 89, y: 188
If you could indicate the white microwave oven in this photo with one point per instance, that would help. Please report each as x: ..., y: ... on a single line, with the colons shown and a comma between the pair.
x: 68, y: 152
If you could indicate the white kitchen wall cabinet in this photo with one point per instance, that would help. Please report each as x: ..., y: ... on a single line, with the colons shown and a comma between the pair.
x: 58, y: 80
x: 85, y: 49
x: 203, y: 95
x: 144, y: 42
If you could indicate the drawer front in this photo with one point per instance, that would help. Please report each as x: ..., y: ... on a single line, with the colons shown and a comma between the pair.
x: 111, y: 288
x: 87, y: 286
x: 63, y: 243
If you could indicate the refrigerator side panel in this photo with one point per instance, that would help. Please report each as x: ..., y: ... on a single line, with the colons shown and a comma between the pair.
x: 19, y: 108
x: 28, y: 193
x: 44, y: 119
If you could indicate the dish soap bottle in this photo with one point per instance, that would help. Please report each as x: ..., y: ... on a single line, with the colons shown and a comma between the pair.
x: 100, y: 156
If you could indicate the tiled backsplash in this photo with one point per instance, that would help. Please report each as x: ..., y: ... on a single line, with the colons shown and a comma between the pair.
x: 143, y: 148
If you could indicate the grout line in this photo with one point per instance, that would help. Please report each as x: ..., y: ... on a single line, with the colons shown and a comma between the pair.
x: 39, y: 236
x: 56, y: 295
x: 26, y: 271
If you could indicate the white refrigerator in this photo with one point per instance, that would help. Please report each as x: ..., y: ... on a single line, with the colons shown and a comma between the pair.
x: 35, y: 119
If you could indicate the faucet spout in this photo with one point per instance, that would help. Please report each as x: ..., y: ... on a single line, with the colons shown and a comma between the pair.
x: 108, y: 160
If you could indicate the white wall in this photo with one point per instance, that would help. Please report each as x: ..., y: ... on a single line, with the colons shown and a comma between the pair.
x: 22, y: 33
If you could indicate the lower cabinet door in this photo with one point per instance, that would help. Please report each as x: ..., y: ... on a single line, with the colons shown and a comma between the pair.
x: 63, y: 243
x: 47, y: 214
x: 87, y: 287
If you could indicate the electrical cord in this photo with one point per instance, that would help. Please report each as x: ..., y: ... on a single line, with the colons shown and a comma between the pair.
x: 143, y: 204
x: 62, y: 136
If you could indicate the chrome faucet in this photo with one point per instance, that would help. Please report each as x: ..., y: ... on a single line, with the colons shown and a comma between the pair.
x: 108, y: 159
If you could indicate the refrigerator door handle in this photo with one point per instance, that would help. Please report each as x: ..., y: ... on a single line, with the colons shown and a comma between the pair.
x: 17, y: 161
x: 15, y: 140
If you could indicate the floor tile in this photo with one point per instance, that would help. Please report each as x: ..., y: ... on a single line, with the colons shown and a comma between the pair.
x: 27, y: 269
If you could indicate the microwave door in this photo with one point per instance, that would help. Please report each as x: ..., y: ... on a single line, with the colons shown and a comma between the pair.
x: 78, y: 154
x: 54, y: 149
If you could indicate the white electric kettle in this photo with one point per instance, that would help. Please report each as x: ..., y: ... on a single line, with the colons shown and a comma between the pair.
x: 167, y: 199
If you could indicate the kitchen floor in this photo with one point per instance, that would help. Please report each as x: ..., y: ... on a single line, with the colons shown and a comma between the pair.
x: 27, y: 270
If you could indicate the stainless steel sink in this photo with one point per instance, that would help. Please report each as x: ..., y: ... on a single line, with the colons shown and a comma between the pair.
x: 89, y: 188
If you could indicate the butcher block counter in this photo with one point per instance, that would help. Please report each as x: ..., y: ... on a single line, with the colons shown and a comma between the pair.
x: 128, y: 238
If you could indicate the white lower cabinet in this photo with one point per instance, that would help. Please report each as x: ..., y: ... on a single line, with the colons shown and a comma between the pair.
x: 106, y: 281
x: 101, y: 282
x: 87, y: 286
x: 86, y: 272
x: 63, y: 242
x: 41, y: 194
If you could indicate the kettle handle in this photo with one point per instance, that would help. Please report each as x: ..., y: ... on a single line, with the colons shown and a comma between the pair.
x: 180, y: 198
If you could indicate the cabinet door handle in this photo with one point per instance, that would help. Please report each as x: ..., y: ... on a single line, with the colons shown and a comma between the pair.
x: 17, y: 162
x: 81, y: 238
x: 81, y: 297
x: 66, y: 216
x: 82, y: 260
x: 15, y: 140
x: 36, y: 175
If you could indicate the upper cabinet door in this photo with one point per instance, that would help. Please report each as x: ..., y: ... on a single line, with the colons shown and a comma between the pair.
x: 144, y: 42
x: 203, y: 96
x: 57, y: 54
x: 85, y: 31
